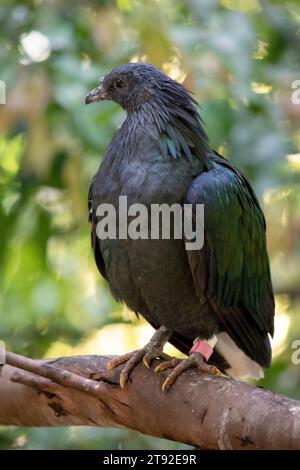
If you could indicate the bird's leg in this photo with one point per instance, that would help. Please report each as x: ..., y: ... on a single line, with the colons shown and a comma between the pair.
x: 146, y: 354
x: 200, y: 352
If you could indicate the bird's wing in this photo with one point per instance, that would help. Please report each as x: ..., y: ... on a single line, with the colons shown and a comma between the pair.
x: 94, y: 239
x: 232, y: 267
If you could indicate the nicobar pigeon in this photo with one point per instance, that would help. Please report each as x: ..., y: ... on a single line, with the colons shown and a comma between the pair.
x: 214, y: 304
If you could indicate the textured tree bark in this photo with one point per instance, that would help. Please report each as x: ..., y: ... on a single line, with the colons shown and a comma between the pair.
x: 200, y: 410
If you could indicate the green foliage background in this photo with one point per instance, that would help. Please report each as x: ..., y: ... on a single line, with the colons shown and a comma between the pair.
x: 240, y: 58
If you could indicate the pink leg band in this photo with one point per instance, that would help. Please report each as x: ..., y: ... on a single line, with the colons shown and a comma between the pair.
x: 203, y: 348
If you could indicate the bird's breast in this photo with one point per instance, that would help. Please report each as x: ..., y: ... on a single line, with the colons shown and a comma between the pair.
x: 151, y: 276
x: 144, y: 182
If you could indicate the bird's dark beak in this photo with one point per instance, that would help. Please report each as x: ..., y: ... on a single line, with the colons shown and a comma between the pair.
x: 97, y: 94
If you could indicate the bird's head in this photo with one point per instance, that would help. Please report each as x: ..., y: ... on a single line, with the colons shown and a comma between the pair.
x: 164, y: 102
x: 131, y: 85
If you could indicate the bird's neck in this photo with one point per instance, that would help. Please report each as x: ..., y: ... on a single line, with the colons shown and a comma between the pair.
x: 147, y: 117
x: 178, y: 130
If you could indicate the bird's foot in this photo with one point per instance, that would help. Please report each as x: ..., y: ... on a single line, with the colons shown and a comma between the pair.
x: 180, y: 365
x: 152, y: 350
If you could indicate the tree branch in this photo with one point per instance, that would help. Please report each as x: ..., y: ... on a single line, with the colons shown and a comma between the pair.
x: 200, y: 410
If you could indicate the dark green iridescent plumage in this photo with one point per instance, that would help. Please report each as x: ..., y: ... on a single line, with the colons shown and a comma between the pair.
x: 233, y: 266
x: 161, y: 154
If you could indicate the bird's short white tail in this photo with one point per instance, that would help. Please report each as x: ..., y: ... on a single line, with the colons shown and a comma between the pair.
x: 242, y: 367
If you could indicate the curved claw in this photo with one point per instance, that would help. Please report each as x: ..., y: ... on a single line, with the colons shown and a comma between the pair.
x: 147, y: 360
x: 123, y: 380
x: 167, y: 384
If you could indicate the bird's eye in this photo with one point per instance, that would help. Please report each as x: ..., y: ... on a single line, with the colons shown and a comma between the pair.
x: 119, y: 83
